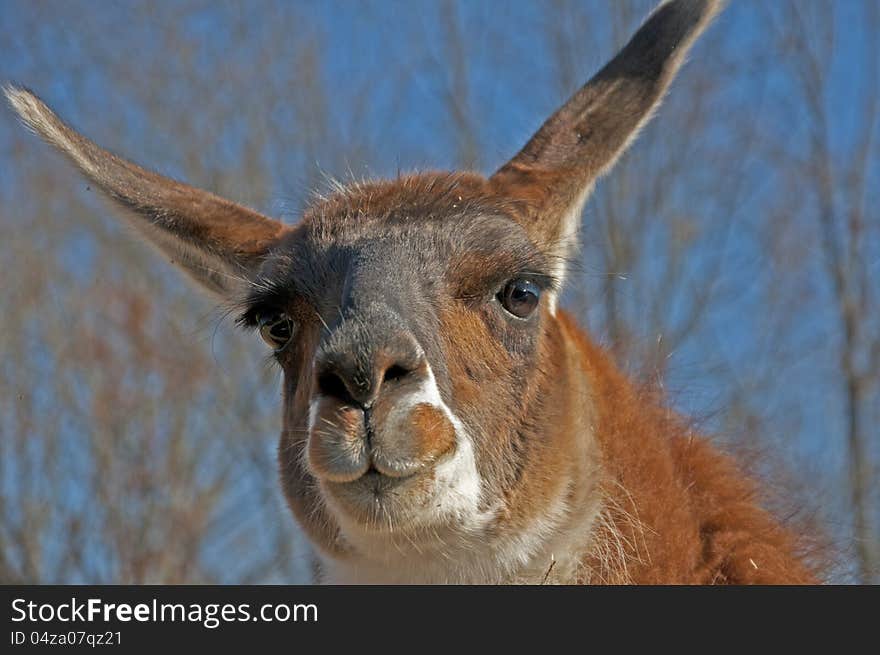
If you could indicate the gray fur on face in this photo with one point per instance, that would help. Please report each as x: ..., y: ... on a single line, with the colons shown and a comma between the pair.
x: 375, y: 282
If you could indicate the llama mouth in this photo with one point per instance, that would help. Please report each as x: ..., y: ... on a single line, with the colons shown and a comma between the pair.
x: 379, y: 481
x: 376, y: 477
x: 376, y: 501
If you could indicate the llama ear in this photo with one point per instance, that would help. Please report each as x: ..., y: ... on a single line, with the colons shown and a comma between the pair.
x: 215, y: 241
x: 552, y: 176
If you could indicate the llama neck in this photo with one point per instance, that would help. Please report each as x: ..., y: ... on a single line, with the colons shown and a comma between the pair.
x: 674, y: 509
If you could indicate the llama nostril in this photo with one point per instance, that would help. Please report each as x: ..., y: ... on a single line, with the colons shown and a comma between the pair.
x: 330, y: 384
x: 353, y: 370
x: 394, y: 373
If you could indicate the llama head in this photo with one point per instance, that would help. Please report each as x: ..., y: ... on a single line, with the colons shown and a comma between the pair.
x: 414, y: 319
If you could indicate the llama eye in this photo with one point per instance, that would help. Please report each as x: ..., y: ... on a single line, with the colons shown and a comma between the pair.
x: 520, y: 297
x: 276, y: 329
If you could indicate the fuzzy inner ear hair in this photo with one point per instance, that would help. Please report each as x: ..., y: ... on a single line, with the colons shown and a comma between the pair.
x: 217, y: 242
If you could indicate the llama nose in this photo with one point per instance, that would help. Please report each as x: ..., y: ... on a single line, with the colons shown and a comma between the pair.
x: 357, y: 375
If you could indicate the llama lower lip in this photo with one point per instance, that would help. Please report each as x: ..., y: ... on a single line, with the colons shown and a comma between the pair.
x: 374, y: 499
x: 372, y: 478
x: 380, y: 481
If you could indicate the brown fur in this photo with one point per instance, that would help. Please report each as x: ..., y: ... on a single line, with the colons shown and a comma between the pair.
x: 687, y: 513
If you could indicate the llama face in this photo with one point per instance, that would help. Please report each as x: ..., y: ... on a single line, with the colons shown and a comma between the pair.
x: 430, y: 389
x: 413, y: 315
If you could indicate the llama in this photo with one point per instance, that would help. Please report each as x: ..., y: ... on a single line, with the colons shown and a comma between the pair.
x: 444, y: 421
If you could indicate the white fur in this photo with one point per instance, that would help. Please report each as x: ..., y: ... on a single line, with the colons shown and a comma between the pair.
x: 567, y: 244
x: 458, y: 487
x: 461, y: 541
x: 455, y: 517
x: 548, y: 550
x: 313, y: 415
x: 42, y: 121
